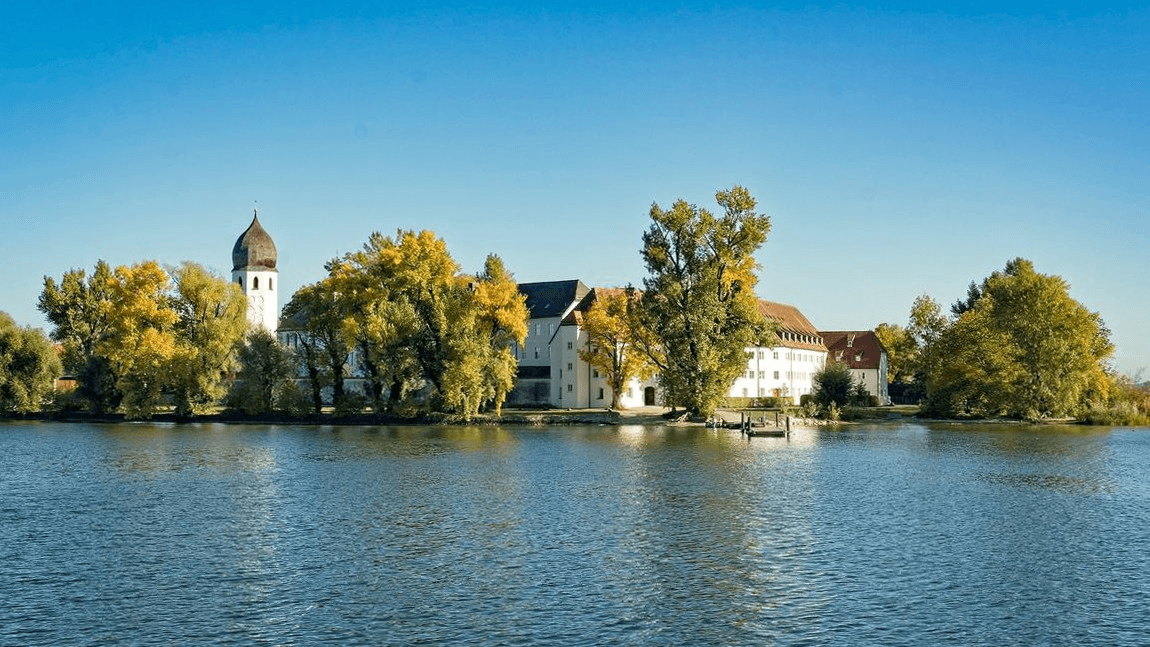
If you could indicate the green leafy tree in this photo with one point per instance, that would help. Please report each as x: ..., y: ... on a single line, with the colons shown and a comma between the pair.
x: 699, y: 296
x: 1024, y: 348
x: 210, y: 329
x: 316, y: 313
x: 266, y: 366
x: 78, y: 307
x: 614, y: 339
x: 832, y: 385
x: 29, y: 367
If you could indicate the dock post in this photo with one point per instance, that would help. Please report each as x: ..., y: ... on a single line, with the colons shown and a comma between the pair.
x: 788, y: 424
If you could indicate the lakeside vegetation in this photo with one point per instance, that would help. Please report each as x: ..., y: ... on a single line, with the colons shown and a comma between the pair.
x: 142, y: 339
x: 430, y: 340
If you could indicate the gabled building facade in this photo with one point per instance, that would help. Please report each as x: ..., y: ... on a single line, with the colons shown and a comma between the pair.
x: 864, y: 354
x: 578, y: 385
x: 548, y: 303
x: 785, y: 370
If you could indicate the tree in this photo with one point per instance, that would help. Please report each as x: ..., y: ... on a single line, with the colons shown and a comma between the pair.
x: 501, y: 321
x: 699, y: 296
x: 424, y: 325
x: 210, y: 330
x: 316, y: 312
x: 832, y: 385
x: 265, y: 368
x: 614, y: 340
x: 29, y: 367
x: 1024, y: 348
x: 141, y: 341
x: 78, y: 308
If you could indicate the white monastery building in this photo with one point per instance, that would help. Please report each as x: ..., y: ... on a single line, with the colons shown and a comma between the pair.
x: 254, y: 270
x: 551, y: 373
x: 787, y: 369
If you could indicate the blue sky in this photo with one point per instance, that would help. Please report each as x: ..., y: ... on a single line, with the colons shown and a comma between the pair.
x: 900, y: 149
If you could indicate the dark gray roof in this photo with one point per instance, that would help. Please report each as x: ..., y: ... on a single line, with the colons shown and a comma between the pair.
x: 254, y: 249
x: 552, y: 298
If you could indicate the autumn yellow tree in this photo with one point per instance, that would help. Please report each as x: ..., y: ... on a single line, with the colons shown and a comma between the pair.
x: 210, y: 328
x: 428, y: 327
x: 141, y: 341
x: 136, y: 334
x: 615, y: 339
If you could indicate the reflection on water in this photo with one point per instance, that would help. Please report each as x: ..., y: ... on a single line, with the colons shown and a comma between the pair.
x: 889, y: 534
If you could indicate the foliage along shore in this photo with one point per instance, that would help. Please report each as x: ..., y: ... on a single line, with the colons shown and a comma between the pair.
x: 533, y: 417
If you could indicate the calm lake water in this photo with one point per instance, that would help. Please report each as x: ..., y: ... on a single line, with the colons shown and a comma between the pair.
x: 896, y: 534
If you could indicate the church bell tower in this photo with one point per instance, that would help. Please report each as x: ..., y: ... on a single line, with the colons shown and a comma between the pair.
x: 254, y: 270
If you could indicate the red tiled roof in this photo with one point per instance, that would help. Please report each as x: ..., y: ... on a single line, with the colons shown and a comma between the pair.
x: 795, y: 330
x: 855, y: 348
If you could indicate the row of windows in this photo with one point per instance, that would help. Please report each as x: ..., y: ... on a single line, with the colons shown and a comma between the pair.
x: 791, y: 375
x: 790, y: 356
x: 255, y: 282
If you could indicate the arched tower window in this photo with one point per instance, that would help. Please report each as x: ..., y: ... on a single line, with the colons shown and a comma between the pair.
x: 256, y: 283
x: 270, y: 283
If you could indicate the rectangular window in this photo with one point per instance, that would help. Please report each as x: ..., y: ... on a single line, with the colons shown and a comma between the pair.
x: 776, y: 375
x: 762, y: 374
x: 600, y: 394
x: 536, y: 352
x: 595, y: 373
x: 630, y: 393
x: 568, y: 345
x: 569, y: 387
x: 776, y: 354
x: 537, y: 329
x: 551, y: 329
x: 569, y: 366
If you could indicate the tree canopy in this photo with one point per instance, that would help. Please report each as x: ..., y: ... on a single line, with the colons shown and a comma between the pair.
x: 420, y: 325
x: 29, y: 367
x: 135, y: 333
x: 616, y: 339
x: 1018, y: 346
x: 699, y: 295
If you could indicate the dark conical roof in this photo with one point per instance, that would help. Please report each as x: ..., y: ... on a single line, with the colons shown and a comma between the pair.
x: 254, y: 249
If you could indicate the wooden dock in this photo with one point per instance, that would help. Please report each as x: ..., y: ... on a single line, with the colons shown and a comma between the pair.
x: 761, y: 427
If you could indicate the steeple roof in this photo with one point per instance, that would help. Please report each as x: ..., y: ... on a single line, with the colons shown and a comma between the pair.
x: 254, y: 248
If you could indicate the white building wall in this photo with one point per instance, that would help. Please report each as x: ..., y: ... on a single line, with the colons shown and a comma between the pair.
x: 578, y: 385
x: 779, y: 371
x: 262, y: 290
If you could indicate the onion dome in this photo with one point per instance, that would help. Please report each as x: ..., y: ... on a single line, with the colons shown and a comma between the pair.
x: 254, y: 249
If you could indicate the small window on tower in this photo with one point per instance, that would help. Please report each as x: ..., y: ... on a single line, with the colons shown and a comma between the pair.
x: 256, y: 283
x: 270, y: 284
